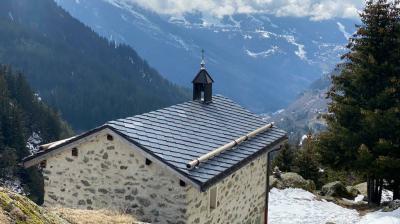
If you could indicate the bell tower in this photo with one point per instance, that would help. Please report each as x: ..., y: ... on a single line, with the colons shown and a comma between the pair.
x: 202, y: 83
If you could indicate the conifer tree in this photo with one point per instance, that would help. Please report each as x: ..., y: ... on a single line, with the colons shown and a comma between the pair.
x: 284, y: 159
x: 21, y: 114
x: 364, y: 120
x: 307, y: 161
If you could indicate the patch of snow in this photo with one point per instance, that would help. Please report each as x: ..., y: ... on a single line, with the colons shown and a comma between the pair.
x: 11, y: 16
x: 246, y: 36
x: 290, y: 206
x: 386, y: 195
x: 300, y: 52
x: 304, y: 137
x: 265, y: 116
x: 237, y: 24
x: 263, y: 54
x: 359, y: 198
x: 123, y: 17
x: 265, y: 34
x: 178, y: 19
x: 299, y: 206
x: 38, y: 97
x: 12, y: 184
x: 342, y: 29
x: 180, y: 41
x: 380, y: 217
x: 34, y: 142
x: 131, y: 60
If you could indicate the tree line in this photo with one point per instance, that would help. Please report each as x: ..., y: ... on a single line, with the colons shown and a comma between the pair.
x: 22, y: 113
x: 88, y: 78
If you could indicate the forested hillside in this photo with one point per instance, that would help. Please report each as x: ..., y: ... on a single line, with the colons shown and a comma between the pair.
x: 24, y: 118
x: 87, y: 78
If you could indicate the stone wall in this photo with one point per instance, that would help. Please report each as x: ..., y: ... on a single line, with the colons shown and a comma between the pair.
x: 112, y: 175
x: 240, y: 197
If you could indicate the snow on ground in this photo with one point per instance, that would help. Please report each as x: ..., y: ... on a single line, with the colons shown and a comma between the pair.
x: 298, y: 206
x: 33, y: 143
x: 13, y: 184
x: 386, y: 195
x: 381, y: 217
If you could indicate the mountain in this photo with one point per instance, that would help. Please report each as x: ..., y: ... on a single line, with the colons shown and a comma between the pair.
x: 305, y: 114
x: 25, y: 122
x: 260, y: 60
x: 87, y: 78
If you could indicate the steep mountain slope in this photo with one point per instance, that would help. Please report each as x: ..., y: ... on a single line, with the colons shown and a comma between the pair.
x: 305, y: 114
x: 25, y: 121
x: 260, y: 60
x: 87, y: 78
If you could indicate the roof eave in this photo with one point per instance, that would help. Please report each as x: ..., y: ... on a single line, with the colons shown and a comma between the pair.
x: 216, y: 179
x: 43, y: 155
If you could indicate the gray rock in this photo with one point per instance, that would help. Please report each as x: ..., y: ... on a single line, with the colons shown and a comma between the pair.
x: 335, y: 189
x: 291, y: 180
x: 85, y: 182
x: 144, y: 201
x: 102, y: 190
x: 353, y: 191
x: 362, y: 188
x: 393, y: 205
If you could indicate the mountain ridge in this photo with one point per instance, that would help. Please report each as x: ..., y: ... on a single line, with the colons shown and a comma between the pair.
x: 87, y: 78
x: 259, y: 60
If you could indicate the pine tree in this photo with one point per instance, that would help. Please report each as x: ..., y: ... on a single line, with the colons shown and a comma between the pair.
x: 21, y: 114
x: 307, y: 161
x: 284, y: 160
x: 364, y: 120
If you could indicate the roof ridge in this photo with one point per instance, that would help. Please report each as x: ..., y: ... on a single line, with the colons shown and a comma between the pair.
x: 175, y: 105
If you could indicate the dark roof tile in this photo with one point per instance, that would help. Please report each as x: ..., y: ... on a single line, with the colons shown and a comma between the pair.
x: 183, y: 132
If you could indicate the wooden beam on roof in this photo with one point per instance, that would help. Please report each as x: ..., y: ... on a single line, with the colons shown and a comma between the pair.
x: 50, y: 153
x: 230, y: 145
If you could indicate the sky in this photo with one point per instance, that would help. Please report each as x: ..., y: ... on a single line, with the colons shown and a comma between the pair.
x: 314, y: 9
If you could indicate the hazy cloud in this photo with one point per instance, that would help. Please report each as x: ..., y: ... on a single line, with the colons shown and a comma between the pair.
x: 315, y: 9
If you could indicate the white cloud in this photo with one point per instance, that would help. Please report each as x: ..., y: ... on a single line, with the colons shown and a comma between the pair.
x: 314, y: 9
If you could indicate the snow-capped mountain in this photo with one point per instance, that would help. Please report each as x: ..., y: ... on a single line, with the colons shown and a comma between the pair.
x: 261, y: 61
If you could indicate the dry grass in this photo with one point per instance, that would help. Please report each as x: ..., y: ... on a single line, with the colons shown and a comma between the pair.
x: 77, y: 216
x: 3, y: 218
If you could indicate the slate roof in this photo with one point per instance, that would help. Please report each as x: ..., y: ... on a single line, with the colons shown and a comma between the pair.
x: 203, y: 77
x: 183, y: 132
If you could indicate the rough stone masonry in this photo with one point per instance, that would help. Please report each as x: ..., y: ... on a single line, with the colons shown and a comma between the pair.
x: 111, y: 174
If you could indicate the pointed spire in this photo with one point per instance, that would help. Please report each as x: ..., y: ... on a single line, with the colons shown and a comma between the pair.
x: 203, y: 63
x: 202, y: 83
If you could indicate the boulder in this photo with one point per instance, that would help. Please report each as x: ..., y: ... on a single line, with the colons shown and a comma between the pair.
x: 291, y: 180
x: 393, y: 205
x: 362, y: 188
x: 335, y: 189
x: 354, y: 192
